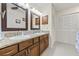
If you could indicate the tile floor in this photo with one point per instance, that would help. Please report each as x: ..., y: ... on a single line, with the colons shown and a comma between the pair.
x: 61, y: 49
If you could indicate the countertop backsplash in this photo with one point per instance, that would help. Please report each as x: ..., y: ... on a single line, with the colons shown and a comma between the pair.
x: 16, y: 33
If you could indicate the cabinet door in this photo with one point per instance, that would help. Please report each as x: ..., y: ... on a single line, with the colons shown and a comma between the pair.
x: 34, y: 50
x: 22, y: 53
x: 46, y: 42
x: 43, y: 43
x: 46, y: 39
x: 9, y: 51
x: 42, y: 46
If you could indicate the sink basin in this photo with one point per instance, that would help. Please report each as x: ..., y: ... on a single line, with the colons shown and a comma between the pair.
x: 36, y: 33
x: 20, y: 37
x: 39, y: 33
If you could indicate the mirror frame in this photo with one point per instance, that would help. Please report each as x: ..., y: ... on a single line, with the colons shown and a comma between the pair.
x: 31, y: 13
x: 4, y: 20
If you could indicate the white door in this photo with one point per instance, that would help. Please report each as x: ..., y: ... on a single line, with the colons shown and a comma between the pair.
x: 67, y: 28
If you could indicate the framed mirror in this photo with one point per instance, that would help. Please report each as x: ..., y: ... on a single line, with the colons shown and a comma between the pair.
x: 14, y: 17
x: 35, y: 21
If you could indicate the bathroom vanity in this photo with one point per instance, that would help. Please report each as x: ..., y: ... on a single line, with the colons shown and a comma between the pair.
x: 15, y: 18
x: 34, y: 45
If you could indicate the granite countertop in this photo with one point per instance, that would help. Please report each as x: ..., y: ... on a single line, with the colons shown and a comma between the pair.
x: 16, y: 39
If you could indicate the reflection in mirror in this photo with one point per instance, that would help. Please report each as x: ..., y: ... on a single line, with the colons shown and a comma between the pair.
x: 45, y: 20
x: 35, y: 21
x: 14, y: 17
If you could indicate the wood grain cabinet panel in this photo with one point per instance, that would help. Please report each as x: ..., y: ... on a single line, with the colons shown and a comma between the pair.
x: 22, y: 53
x: 46, y: 37
x: 34, y: 50
x: 43, y: 36
x: 25, y: 44
x: 46, y: 42
x: 42, y: 46
x: 36, y: 39
x: 8, y: 51
x: 43, y: 42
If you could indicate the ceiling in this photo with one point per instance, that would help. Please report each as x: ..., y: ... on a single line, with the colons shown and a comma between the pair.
x: 58, y: 6
x: 38, y: 6
x: 63, y: 6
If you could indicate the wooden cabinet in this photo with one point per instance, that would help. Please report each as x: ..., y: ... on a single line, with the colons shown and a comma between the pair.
x: 46, y: 42
x: 34, y: 50
x: 8, y: 51
x: 31, y: 47
x: 22, y: 53
x: 25, y: 44
x: 43, y: 43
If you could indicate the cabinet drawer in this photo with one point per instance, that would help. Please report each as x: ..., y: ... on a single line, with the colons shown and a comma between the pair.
x: 25, y: 44
x: 36, y: 39
x: 8, y: 51
x: 22, y: 53
x: 44, y: 36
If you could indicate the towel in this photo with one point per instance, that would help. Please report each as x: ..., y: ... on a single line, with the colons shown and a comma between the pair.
x: 77, y: 41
